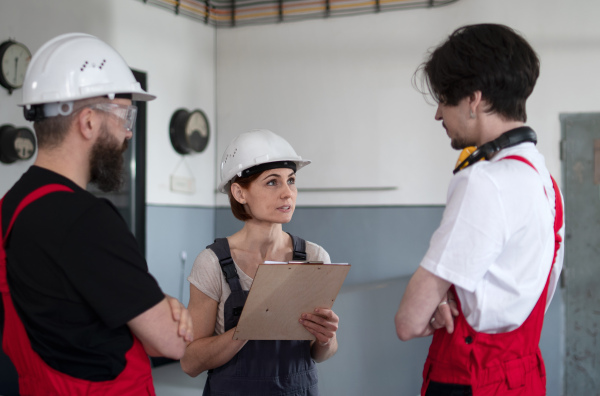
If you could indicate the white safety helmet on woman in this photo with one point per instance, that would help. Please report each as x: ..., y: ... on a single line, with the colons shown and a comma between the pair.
x: 257, y: 151
x: 71, y: 67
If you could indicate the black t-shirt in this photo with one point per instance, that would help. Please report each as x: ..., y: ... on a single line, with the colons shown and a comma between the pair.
x: 76, y: 277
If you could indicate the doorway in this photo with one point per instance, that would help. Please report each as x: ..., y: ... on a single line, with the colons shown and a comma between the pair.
x: 580, y: 154
x: 130, y: 200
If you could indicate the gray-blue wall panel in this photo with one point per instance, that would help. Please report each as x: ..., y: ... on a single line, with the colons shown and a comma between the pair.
x: 170, y: 231
x: 379, y: 242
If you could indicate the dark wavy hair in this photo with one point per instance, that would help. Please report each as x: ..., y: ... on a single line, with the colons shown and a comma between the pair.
x: 490, y: 58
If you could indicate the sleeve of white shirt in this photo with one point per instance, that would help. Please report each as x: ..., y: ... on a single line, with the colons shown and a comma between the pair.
x: 472, y: 232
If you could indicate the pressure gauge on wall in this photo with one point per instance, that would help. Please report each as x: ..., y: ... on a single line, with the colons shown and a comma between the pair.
x: 14, y: 59
x: 189, y: 131
x: 16, y: 144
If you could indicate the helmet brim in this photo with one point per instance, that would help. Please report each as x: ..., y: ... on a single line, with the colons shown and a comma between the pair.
x: 222, y: 187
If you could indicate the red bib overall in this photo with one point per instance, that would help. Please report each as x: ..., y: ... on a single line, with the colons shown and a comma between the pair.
x: 494, y: 364
x: 35, y: 376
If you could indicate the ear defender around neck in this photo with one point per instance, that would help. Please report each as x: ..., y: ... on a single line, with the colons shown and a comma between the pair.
x: 516, y: 136
x: 464, y: 154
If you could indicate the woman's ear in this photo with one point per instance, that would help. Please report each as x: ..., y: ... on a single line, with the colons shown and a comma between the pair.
x: 238, y: 193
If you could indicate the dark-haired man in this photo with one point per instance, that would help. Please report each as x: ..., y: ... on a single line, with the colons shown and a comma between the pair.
x: 497, y: 255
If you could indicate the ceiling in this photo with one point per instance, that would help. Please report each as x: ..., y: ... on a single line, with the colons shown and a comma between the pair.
x: 232, y: 13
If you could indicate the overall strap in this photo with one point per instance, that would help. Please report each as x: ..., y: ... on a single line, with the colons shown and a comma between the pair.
x: 223, y: 252
x: 299, y: 248
x: 32, y: 196
x: 526, y: 161
x: 522, y: 159
x: 558, y: 207
x: 558, y: 219
x: 221, y: 248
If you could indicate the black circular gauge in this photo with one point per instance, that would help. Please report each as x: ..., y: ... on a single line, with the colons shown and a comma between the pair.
x: 189, y: 131
x: 16, y: 144
x: 14, y: 58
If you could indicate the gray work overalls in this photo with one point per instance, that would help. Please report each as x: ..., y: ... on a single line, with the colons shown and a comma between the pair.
x: 260, y: 368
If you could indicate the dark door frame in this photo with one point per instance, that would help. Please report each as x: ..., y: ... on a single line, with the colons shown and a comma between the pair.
x: 139, y: 177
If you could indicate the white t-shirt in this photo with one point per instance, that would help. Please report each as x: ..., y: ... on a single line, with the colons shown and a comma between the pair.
x: 207, y: 276
x: 496, y: 239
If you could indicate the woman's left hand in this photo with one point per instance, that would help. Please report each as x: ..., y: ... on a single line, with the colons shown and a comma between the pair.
x: 323, y: 324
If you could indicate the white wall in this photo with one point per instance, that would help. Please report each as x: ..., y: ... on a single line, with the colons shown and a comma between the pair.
x: 177, y: 53
x: 340, y: 91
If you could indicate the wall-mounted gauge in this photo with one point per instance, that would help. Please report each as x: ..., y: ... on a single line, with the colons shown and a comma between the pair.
x: 14, y: 59
x: 16, y: 144
x: 189, y: 131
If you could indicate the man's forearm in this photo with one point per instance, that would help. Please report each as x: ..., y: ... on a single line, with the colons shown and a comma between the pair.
x: 159, y: 332
x: 421, y: 298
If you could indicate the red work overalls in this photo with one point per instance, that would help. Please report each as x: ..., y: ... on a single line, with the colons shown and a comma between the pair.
x: 494, y: 364
x: 35, y: 376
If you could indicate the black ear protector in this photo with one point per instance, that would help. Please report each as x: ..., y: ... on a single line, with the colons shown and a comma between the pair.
x: 34, y: 113
x: 490, y: 149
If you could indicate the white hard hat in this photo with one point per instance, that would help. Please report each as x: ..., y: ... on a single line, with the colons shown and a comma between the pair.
x: 253, y: 148
x: 77, y: 66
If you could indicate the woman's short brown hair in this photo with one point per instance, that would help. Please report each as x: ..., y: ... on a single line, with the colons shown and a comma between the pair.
x: 238, y: 210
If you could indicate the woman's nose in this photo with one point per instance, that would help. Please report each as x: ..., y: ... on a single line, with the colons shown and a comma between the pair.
x: 287, y: 191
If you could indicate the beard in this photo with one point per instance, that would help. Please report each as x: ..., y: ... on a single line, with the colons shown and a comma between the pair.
x: 460, y: 143
x: 106, y: 161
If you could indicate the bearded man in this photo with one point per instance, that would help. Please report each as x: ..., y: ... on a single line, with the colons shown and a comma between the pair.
x: 82, y: 312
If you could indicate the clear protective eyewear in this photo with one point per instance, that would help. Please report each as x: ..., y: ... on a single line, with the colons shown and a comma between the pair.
x: 126, y: 113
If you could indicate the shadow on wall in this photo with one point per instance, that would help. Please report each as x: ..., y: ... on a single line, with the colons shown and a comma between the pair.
x: 371, y: 360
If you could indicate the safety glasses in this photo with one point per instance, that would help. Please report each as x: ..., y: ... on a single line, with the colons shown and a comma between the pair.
x: 126, y: 113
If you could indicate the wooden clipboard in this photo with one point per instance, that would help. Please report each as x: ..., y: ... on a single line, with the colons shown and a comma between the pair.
x: 281, y: 292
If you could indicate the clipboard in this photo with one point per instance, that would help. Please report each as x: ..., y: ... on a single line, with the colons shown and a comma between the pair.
x: 281, y: 292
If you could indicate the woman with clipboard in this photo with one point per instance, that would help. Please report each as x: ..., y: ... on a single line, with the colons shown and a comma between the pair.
x: 258, y: 173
